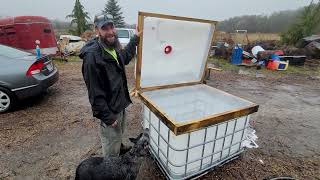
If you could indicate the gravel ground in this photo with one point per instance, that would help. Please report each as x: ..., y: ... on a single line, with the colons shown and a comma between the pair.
x: 46, y: 137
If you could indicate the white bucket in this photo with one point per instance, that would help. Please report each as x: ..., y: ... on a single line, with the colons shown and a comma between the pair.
x: 256, y: 49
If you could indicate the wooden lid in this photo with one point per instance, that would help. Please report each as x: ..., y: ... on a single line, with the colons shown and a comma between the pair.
x: 173, y: 50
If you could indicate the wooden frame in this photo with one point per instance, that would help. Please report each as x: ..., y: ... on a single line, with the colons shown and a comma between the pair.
x: 147, y: 14
x: 175, y: 127
x: 141, y: 17
x: 215, y: 119
x: 182, y: 128
x: 139, y: 54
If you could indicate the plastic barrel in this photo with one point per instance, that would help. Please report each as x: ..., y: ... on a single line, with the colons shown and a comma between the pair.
x: 236, y: 55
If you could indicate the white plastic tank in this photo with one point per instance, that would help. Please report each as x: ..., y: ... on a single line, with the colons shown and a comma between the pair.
x: 193, y: 127
x: 189, y: 154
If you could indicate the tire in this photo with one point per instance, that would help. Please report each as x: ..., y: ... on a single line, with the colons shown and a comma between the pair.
x: 6, y: 100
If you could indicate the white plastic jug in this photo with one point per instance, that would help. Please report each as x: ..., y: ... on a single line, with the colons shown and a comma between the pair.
x: 256, y: 49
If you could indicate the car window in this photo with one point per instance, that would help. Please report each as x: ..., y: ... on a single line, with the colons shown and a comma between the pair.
x: 123, y: 33
x: 132, y: 33
x: 12, y: 52
x: 46, y: 30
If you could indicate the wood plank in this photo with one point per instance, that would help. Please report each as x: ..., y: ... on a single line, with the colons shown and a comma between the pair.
x: 133, y: 92
x: 208, y: 71
x: 183, y: 128
x: 170, y: 123
x: 147, y: 14
x: 215, y: 69
x: 139, y: 53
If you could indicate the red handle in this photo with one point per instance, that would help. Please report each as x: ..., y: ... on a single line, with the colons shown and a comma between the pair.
x: 168, y: 49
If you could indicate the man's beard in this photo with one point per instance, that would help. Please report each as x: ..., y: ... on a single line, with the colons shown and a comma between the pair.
x: 107, y: 44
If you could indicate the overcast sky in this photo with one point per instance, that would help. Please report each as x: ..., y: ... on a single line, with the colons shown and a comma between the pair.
x: 207, y: 9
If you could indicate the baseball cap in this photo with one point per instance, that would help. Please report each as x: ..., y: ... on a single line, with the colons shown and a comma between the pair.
x: 102, y: 19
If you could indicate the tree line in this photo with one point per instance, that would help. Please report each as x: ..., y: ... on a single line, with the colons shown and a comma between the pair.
x: 308, y: 23
x: 80, y: 18
x: 275, y: 23
x: 292, y: 24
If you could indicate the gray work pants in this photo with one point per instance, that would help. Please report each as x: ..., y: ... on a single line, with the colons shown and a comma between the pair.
x: 111, y: 138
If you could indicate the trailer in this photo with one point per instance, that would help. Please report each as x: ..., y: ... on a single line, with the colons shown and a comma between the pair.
x: 23, y: 31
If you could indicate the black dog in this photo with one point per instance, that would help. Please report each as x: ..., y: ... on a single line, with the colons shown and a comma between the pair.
x: 114, y: 168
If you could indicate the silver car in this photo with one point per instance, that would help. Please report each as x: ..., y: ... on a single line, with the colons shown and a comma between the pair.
x: 124, y: 35
x: 22, y: 75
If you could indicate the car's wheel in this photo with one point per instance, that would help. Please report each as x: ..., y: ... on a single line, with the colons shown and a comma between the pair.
x: 6, y: 100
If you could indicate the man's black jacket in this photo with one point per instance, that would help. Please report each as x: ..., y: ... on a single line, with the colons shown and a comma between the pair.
x: 106, y: 79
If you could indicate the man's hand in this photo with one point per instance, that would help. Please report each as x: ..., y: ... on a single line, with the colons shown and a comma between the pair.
x: 115, y: 124
x: 138, y: 33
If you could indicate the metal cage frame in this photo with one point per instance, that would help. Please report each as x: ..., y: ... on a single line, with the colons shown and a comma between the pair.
x: 221, y: 160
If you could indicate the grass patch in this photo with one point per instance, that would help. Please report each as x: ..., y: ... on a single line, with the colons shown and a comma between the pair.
x: 298, y: 70
x: 74, y: 59
x: 227, y: 66
x: 59, y: 62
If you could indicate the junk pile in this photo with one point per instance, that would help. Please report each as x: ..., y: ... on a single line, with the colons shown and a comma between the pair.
x: 275, y: 57
x: 311, y: 45
x: 222, y: 49
x: 271, y: 53
x: 271, y: 59
x: 69, y: 44
x: 87, y: 35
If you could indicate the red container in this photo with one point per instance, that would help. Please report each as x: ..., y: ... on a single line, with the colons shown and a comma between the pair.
x: 279, y: 52
x: 273, y: 65
x: 246, y: 61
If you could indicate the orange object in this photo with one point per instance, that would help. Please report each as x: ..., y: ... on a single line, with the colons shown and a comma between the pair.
x: 273, y: 65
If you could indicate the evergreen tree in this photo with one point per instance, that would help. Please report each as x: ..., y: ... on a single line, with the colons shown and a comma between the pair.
x: 112, y: 8
x: 80, y: 18
x: 308, y: 23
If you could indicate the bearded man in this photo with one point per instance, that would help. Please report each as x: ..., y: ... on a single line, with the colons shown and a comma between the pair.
x: 103, y: 71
